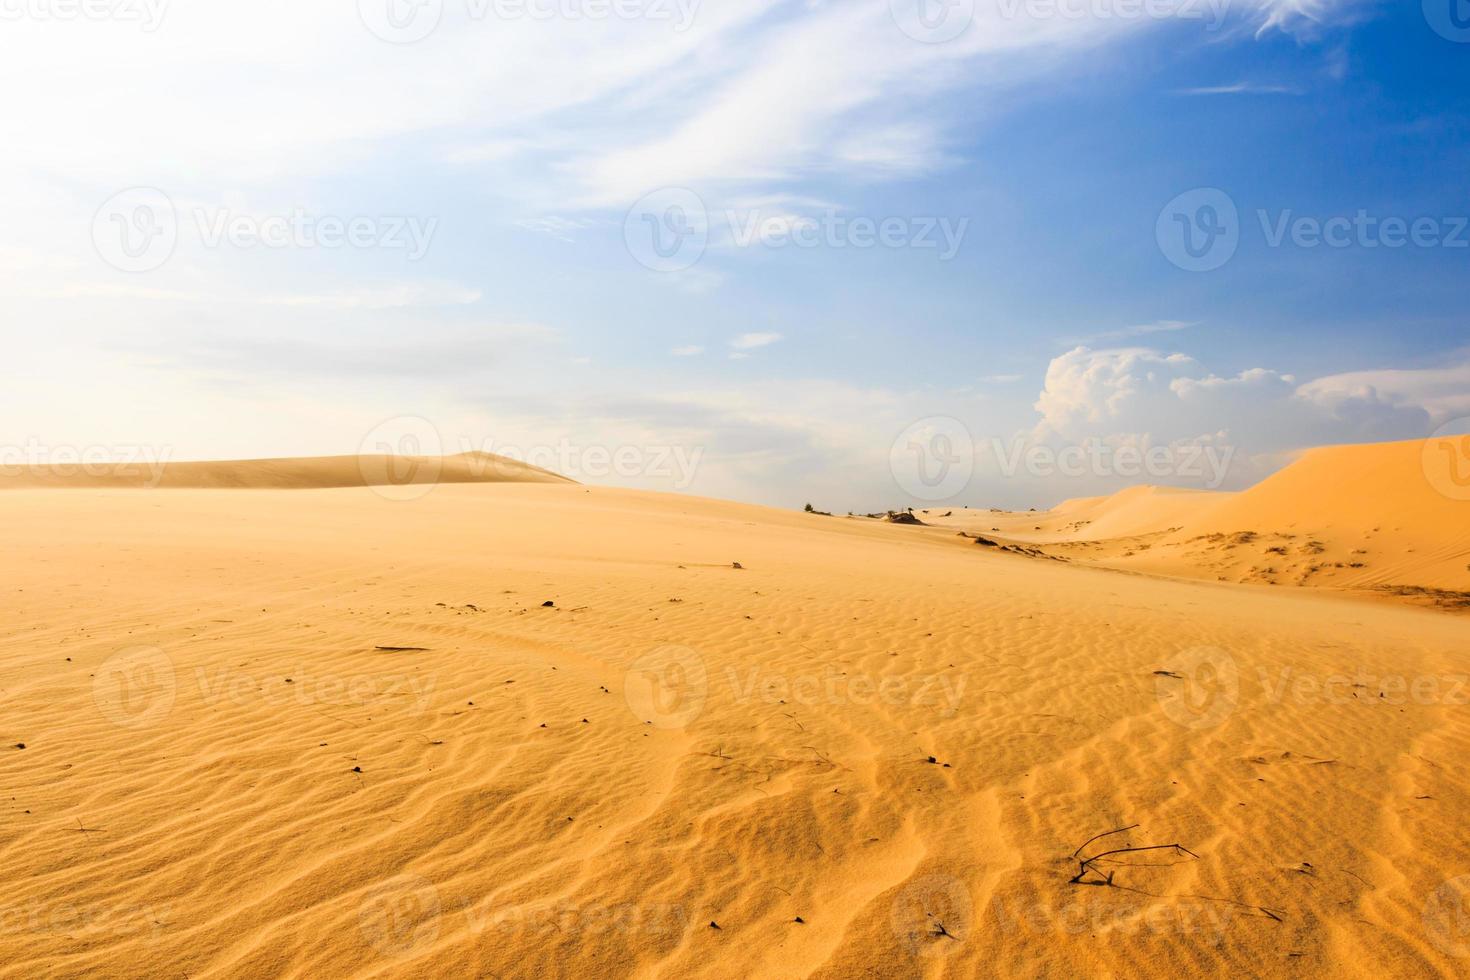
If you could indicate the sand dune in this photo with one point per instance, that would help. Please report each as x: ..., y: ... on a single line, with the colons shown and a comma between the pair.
x: 311, y: 473
x: 1379, y: 518
x: 333, y: 734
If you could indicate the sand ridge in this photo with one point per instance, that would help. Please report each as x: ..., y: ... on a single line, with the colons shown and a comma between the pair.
x: 332, y: 733
x: 410, y: 474
x: 1381, y: 519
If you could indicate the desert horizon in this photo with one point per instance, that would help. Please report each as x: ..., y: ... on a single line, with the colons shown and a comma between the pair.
x: 461, y: 724
x: 713, y: 489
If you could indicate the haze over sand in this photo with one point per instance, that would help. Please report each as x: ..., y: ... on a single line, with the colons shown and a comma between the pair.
x: 331, y: 733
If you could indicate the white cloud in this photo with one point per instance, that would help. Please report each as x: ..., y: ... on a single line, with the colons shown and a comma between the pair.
x: 554, y: 226
x: 751, y: 341
x: 1140, y: 395
x: 691, y: 350
x: 1442, y: 392
x: 751, y: 93
x: 1299, y: 15
x: 1137, y: 330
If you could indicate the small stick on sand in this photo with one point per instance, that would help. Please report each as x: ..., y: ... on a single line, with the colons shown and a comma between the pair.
x: 1086, y: 865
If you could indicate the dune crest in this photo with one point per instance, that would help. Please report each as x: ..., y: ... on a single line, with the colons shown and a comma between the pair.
x: 1383, y: 517
x: 303, y: 473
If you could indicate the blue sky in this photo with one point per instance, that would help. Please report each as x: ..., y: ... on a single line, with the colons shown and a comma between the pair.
x: 527, y: 153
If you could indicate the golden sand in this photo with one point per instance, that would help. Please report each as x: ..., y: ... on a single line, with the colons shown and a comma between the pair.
x: 329, y: 733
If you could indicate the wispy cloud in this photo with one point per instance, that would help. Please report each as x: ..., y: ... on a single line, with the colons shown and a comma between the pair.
x: 554, y: 226
x: 1128, y: 333
x: 1242, y: 88
x: 750, y: 341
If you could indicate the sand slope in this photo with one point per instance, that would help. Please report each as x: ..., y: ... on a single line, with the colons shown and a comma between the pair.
x: 1364, y: 518
x: 225, y: 775
x: 312, y: 473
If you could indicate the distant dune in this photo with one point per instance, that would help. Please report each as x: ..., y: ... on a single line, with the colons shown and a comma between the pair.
x: 312, y: 473
x: 1366, y: 517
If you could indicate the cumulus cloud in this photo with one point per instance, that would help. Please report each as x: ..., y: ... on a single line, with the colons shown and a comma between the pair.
x: 1142, y: 396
